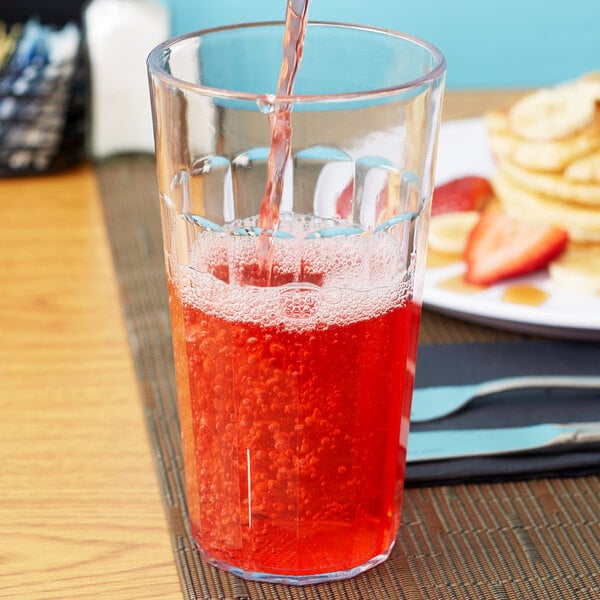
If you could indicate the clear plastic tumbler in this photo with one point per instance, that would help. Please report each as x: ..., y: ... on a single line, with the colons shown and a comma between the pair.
x: 294, y: 387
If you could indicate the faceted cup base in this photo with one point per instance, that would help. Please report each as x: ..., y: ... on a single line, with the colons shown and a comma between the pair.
x: 297, y: 579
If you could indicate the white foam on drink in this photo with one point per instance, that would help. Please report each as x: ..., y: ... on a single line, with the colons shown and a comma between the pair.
x: 356, y: 277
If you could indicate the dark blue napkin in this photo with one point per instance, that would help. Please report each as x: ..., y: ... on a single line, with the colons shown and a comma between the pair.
x: 456, y: 364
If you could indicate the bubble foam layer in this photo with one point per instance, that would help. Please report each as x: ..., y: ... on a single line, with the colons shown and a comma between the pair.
x: 315, y: 281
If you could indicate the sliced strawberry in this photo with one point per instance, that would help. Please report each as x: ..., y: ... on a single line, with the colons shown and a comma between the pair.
x: 343, y: 206
x: 500, y: 247
x: 464, y: 193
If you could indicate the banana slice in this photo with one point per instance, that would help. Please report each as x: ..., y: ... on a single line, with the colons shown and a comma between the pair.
x: 448, y: 232
x: 578, y: 269
x: 554, y: 113
x: 585, y: 169
x: 591, y: 87
x: 593, y: 76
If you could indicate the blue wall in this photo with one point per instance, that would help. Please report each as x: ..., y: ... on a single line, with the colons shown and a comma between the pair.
x: 487, y: 43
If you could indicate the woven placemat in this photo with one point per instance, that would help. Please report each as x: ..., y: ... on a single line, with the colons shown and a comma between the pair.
x: 531, y: 539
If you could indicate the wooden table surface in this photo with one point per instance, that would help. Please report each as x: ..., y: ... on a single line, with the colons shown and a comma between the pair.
x: 80, y: 510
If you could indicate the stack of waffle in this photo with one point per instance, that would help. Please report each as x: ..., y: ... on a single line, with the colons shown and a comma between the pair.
x: 547, y: 146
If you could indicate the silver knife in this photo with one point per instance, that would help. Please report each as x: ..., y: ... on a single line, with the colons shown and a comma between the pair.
x: 459, y: 443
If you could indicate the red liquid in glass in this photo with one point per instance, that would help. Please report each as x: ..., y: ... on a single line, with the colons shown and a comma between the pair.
x: 290, y: 432
x: 291, y: 427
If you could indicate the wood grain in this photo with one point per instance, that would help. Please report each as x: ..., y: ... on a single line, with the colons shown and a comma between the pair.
x: 80, y: 510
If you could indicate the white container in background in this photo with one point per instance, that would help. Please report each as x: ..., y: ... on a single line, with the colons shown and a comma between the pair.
x: 120, y: 35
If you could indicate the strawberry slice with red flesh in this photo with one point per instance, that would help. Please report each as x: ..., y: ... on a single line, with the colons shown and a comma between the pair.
x: 465, y: 193
x: 500, y: 247
x: 343, y: 205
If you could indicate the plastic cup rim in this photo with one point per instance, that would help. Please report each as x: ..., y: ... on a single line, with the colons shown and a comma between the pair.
x: 435, y: 73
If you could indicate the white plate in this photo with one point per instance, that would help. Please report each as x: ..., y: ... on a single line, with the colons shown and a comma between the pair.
x: 463, y: 151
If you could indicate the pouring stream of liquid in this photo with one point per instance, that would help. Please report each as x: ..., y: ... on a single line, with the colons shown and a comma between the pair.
x: 281, y: 130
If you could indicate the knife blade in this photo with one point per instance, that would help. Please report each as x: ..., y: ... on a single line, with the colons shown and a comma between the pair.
x: 461, y: 443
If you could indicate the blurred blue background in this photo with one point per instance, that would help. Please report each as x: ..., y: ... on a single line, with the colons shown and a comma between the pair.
x: 487, y: 43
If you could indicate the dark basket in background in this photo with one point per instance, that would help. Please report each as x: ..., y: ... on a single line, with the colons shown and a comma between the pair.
x: 42, y: 102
